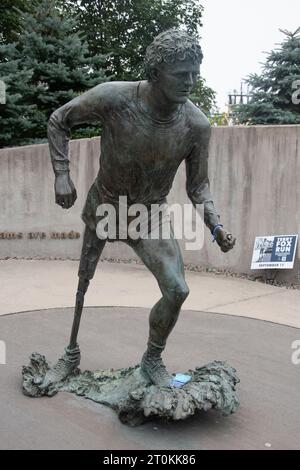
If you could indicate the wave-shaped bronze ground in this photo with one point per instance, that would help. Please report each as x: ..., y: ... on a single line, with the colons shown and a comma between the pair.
x: 136, y: 400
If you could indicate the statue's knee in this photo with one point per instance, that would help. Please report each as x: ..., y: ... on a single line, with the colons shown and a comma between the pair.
x: 183, y: 292
x: 179, y: 293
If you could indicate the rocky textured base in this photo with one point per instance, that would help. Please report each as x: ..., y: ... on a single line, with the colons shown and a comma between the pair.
x: 136, y: 400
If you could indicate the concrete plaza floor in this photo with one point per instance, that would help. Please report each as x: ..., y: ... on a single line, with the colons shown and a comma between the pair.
x: 35, y: 285
x: 221, y: 320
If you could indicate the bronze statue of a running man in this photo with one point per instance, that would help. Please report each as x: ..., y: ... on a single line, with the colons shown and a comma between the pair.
x: 149, y: 128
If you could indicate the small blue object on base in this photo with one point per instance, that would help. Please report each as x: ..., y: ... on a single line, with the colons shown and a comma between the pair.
x: 179, y: 380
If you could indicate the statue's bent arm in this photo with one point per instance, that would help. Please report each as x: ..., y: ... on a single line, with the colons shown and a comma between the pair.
x: 197, y: 181
x: 87, y: 108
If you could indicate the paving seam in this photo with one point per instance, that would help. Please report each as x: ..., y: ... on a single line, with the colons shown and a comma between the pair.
x: 244, y: 300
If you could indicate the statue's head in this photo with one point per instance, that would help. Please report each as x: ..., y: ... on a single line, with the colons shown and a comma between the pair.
x: 172, y: 62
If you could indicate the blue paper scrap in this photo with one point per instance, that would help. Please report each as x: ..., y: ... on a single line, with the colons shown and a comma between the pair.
x: 179, y: 380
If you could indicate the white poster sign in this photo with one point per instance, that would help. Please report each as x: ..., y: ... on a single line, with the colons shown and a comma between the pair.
x: 274, y: 252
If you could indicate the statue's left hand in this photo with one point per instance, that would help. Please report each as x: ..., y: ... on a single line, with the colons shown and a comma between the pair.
x: 225, y: 240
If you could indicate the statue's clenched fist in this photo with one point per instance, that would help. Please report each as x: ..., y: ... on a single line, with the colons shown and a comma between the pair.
x: 65, y: 192
x: 224, y: 239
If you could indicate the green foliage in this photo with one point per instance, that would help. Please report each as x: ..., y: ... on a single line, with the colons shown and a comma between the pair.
x: 124, y: 28
x: 11, y: 12
x: 47, y: 66
x: 53, y: 50
x: 204, y: 97
x: 271, y: 95
x: 219, y: 119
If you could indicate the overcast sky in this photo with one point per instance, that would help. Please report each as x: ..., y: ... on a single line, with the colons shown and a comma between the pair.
x: 234, y: 35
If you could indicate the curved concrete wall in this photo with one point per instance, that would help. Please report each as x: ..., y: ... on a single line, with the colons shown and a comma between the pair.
x: 255, y: 181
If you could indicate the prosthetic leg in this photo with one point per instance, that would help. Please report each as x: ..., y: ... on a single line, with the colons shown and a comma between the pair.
x: 91, y: 251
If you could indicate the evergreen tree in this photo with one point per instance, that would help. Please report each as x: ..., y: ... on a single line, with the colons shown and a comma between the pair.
x: 271, y: 95
x: 47, y: 66
x: 11, y: 13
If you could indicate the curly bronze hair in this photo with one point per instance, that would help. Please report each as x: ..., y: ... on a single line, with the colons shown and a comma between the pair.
x: 168, y: 47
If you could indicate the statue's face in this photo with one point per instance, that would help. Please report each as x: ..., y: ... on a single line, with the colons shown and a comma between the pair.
x: 177, y: 80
